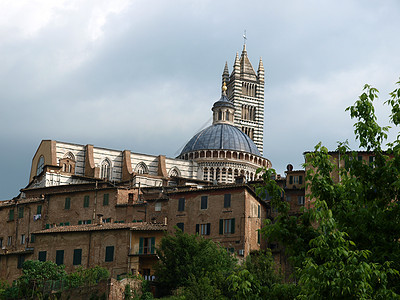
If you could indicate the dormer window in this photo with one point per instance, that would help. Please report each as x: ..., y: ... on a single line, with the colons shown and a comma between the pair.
x: 105, y: 169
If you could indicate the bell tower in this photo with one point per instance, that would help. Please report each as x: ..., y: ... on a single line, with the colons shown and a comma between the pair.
x: 246, y: 91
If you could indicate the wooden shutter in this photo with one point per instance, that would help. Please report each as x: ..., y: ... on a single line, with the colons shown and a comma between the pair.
x: 141, y: 245
x: 77, y: 260
x: 59, y: 257
x: 153, y: 245
x: 221, y: 226
x: 208, y: 228
x: 300, y: 179
x: 197, y: 228
x: 109, y: 253
x: 233, y: 225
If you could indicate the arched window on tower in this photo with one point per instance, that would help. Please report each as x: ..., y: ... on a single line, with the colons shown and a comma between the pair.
x: 227, y: 116
x: 105, y: 169
x: 220, y: 115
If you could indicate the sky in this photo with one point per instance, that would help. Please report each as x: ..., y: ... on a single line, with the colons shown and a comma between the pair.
x: 143, y: 75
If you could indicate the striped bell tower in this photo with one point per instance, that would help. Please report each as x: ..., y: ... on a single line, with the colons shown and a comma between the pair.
x: 246, y: 91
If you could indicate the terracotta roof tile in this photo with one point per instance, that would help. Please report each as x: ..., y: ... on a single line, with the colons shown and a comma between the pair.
x: 104, y: 226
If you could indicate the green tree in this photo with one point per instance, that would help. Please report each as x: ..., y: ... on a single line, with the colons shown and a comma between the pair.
x: 185, y: 258
x: 348, y: 244
x: 35, y: 275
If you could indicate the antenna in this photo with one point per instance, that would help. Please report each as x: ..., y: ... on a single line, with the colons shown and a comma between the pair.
x: 244, y: 37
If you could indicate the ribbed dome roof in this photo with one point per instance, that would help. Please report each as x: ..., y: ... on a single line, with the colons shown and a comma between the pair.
x: 221, y: 136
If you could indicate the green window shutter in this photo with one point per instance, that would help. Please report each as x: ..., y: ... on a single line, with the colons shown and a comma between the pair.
x: 258, y: 236
x: 180, y: 226
x: 221, y: 226
x: 153, y: 245
x: 227, y: 200
x: 105, y: 199
x: 197, y: 228
x: 89, y: 221
x: 11, y: 215
x: 300, y: 179
x: 259, y: 211
x: 79, y: 222
x: 67, y: 203
x: 42, y: 255
x: 77, y: 259
x: 208, y: 228
x: 359, y: 158
x: 20, y: 212
x: 86, y: 201
x: 32, y: 238
x: 290, y: 179
x: 39, y: 210
x: 66, y: 223
x: 59, y: 257
x: 141, y: 245
x: 233, y: 225
x: 47, y: 226
x: 109, y: 253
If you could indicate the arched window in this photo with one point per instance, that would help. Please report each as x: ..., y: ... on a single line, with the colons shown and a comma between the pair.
x: 227, y: 116
x: 40, y: 165
x: 105, y: 169
x: 141, y: 168
x: 174, y: 172
x: 219, y: 115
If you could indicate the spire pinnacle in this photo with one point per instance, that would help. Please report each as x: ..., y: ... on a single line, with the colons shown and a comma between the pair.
x: 226, y: 70
x: 224, y: 88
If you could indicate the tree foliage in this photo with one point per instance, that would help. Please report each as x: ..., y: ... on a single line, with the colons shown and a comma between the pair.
x: 184, y: 259
x: 347, y: 245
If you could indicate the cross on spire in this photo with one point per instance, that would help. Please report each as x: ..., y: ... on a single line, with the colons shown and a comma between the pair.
x: 244, y: 37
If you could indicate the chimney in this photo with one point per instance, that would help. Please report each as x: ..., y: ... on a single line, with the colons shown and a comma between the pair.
x: 100, y: 219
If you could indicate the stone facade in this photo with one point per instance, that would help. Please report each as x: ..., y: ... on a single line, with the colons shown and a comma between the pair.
x: 230, y: 215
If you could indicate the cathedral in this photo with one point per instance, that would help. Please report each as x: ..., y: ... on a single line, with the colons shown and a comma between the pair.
x: 231, y: 147
x: 91, y: 206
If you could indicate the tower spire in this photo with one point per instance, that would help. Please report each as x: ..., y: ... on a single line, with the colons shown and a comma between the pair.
x: 225, y: 74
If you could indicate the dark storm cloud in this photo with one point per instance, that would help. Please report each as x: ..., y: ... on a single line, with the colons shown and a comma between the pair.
x: 142, y: 75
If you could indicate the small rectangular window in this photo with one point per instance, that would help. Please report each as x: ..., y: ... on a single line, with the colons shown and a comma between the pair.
x: 22, y: 239
x: 226, y: 226
x: 147, y: 245
x: 181, y: 226
x: 288, y: 198
x: 300, y: 200
x: 204, y: 202
x: 77, y: 259
x: 67, y: 204
x: 39, y: 210
x: 11, y: 215
x: 203, y: 229
x: 360, y: 158
x: 21, y: 259
x: 59, y: 257
x: 86, y: 201
x: 227, y: 200
x: 42, y: 255
x: 20, y: 212
x: 157, y: 206
x: 105, y: 199
x: 181, y: 204
x: 109, y: 253
x: 9, y: 240
x: 33, y: 238
x: 1, y: 242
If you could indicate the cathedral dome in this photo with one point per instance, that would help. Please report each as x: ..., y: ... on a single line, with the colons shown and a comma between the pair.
x: 221, y: 136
